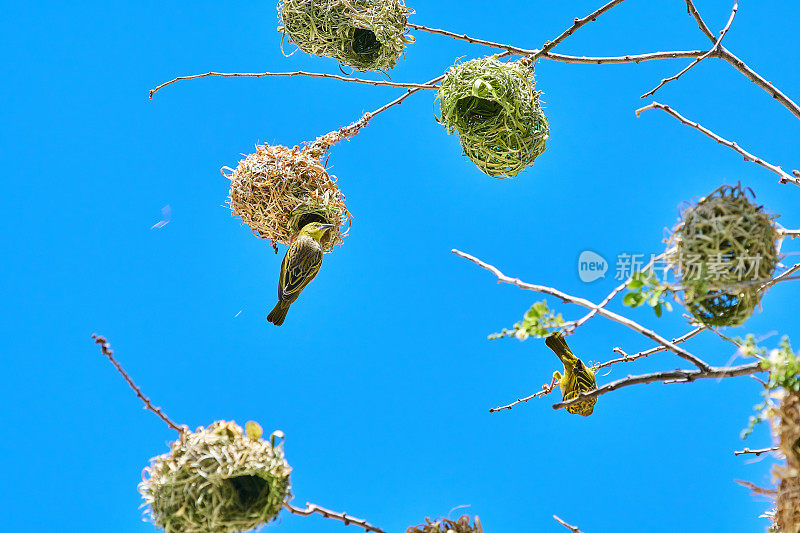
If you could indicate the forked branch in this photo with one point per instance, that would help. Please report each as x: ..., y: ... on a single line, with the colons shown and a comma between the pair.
x: 343, y: 517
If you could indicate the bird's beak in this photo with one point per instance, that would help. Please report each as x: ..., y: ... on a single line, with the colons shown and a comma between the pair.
x: 325, y: 227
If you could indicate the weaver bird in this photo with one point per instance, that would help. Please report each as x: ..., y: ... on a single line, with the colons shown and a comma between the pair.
x: 576, y: 379
x: 300, y: 264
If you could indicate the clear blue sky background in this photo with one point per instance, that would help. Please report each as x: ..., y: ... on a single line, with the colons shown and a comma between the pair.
x: 382, y: 376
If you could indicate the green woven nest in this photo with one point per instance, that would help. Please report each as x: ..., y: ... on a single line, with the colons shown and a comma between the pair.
x: 497, y: 113
x: 725, y: 242
x: 721, y: 308
x: 362, y: 34
x: 216, y: 479
x: 443, y: 525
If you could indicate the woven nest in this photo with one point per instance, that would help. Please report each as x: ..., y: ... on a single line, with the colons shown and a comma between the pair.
x: 362, y: 34
x: 722, y: 308
x: 497, y: 113
x: 278, y: 190
x: 216, y: 479
x: 443, y: 525
x: 787, y: 515
x: 725, y: 241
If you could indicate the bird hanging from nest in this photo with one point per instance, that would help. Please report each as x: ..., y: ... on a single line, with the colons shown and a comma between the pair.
x: 300, y: 265
x: 577, y: 377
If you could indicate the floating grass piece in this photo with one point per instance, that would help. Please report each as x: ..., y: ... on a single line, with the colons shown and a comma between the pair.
x: 216, y: 479
x: 443, y: 525
x: 723, y: 249
x: 362, y: 34
x: 278, y: 190
x: 721, y: 308
x: 493, y: 107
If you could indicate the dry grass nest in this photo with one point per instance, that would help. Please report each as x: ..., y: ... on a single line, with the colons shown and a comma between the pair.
x: 724, y: 248
x: 787, y: 515
x: 362, y: 34
x: 496, y: 111
x: 217, y: 479
x: 443, y: 525
x: 278, y: 190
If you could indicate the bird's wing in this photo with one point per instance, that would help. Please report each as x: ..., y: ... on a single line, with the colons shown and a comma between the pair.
x: 584, y: 377
x: 299, y: 267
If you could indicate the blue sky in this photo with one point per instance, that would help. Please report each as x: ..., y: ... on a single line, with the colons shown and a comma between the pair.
x: 382, y: 376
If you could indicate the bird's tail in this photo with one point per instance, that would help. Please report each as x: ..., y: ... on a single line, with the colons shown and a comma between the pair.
x: 557, y: 343
x: 278, y: 313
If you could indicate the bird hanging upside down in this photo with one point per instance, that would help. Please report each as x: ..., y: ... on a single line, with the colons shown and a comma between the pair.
x: 577, y: 377
x: 300, y: 265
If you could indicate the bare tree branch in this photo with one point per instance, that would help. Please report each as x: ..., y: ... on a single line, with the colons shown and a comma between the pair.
x: 589, y: 305
x: 627, y: 358
x: 343, y: 517
x: 668, y: 377
x: 716, y: 46
x: 290, y: 74
x: 546, y: 389
x: 574, y: 529
x: 473, y: 40
x: 756, y: 452
x: 577, y: 23
x: 784, y: 177
x: 105, y: 347
x: 616, y: 291
x: 739, y: 65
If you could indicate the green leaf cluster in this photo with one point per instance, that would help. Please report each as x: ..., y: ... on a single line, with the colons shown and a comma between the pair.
x: 538, y: 321
x: 783, y: 365
x: 645, y: 288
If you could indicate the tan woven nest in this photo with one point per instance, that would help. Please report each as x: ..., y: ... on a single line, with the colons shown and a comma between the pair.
x: 216, y: 479
x: 787, y: 514
x: 443, y: 525
x: 278, y: 190
x: 362, y: 34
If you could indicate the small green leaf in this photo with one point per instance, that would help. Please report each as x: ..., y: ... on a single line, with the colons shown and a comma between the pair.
x: 635, y: 284
x: 657, y: 309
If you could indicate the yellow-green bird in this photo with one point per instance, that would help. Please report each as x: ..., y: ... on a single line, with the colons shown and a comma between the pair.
x: 576, y: 379
x: 300, y: 265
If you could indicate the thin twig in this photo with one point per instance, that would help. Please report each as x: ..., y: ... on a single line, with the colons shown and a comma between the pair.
x: 627, y: 358
x: 574, y: 529
x: 784, y: 177
x: 577, y: 23
x: 589, y: 305
x: 756, y: 452
x: 669, y: 376
x: 546, y: 389
x: 616, y: 291
x: 739, y: 65
x: 714, y: 49
x: 105, y: 347
x: 343, y: 517
x: 473, y: 40
x: 290, y: 74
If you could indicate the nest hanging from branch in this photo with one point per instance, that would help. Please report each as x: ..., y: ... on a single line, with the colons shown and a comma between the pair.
x: 278, y: 190
x: 493, y: 107
x: 787, y: 432
x: 217, y: 479
x: 443, y: 525
x: 362, y: 34
x: 724, y: 249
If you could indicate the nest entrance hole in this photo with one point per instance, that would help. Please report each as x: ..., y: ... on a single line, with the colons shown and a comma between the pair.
x: 308, y: 218
x: 365, y: 43
x: 477, y: 110
x: 250, y: 489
